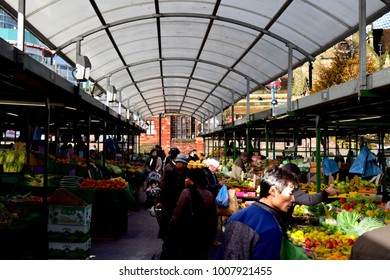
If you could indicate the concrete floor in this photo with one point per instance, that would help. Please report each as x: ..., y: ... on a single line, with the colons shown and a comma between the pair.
x: 140, y: 242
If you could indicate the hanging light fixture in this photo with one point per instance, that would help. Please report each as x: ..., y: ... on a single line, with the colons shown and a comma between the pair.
x: 83, y: 68
x: 111, y: 93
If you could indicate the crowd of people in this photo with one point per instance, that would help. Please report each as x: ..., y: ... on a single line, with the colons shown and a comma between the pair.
x: 189, y: 221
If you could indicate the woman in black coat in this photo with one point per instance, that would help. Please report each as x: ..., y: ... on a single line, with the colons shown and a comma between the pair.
x: 190, y: 230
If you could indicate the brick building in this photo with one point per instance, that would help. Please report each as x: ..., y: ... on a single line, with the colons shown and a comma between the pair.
x: 172, y: 130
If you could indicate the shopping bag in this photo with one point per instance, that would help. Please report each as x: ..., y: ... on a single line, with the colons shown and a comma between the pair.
x: 222, y: 199
x: 289, y: 251
x: 359, y: 165
x: 329, y: 166
x: 372, y: 169
x: 233, y: 205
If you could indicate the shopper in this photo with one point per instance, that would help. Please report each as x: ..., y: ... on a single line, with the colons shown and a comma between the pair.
x: 372, y: 245
x: 193, y: 156
x: 70, y: 151
x: 154, y: 162
x: 239, y: 165
x: 169, y: 162
x: 256, y: 232
x: 190, y: 230
x: 172, y: 183
x: 304, y: 198
x: 213, y: 185
x: 160, y: 152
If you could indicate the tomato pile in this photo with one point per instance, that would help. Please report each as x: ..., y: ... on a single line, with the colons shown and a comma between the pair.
x: 103, y: 184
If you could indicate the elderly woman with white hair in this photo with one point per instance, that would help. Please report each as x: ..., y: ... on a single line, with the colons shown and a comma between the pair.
x: 213, y: 183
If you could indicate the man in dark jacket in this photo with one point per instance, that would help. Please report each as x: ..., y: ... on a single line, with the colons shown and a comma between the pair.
x: 256, y: 232
x: 169, y: 161
x: 172, y: 183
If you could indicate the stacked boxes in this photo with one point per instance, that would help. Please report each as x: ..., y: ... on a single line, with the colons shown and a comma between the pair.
x: 69, y: 229
x: 312, y: 174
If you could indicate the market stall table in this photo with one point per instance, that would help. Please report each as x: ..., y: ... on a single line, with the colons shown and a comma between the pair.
x: 25, y: 238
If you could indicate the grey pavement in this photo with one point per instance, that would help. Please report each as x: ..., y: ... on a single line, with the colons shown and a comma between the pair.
x: 140, y: 242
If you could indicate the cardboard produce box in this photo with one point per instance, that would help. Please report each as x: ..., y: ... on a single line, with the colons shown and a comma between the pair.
x: 68, y: 233
x: 65, y: 208
x: 70, y: 215
x: 70, y: 250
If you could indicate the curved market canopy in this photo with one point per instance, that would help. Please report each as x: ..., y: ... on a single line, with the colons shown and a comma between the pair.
x: 190, y: 57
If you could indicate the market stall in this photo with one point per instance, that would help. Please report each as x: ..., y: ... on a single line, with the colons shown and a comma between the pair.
x: 22, y: 227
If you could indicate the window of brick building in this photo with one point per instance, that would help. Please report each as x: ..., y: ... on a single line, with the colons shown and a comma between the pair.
x: 182, y: 127
x: 150, y: 130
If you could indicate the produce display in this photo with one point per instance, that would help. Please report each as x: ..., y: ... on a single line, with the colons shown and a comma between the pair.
x: 240, y: 185
x: 323, y: 242
x: 12, y: 161
x: 70, y: 181
x: 73, y: 159
x: 324, y: 231
x: 329, y: 231
x: 5, y: 216
x: 343, y: 186
x: 113, y: 183
x: 195, y: 164
x: 37, y: 180
x: 21, y: 205
x: 353, y: 185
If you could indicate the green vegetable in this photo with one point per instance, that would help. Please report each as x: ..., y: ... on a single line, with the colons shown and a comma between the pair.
x: 317, y: 210
x: 352, y: 223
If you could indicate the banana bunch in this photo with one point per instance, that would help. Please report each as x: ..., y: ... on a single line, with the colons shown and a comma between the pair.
x: 311, y: 187
x: 13, y: 161
x: 118, y: 179
x: 365, y: 183
x: 307, y: 186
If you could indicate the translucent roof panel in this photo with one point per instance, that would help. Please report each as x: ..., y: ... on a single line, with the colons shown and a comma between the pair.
x: 190, y: 57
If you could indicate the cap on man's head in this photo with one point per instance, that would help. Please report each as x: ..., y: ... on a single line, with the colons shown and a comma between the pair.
x: 174, y: 148
x: 181, y: 158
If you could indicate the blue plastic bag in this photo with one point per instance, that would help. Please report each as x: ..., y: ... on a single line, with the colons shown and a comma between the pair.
x: 329, y: 166
x: 222, y: 199
x: 372, y: 169
x: 359, y: 165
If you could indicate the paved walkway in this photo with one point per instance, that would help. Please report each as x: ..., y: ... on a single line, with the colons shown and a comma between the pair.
x: 139, y: 243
